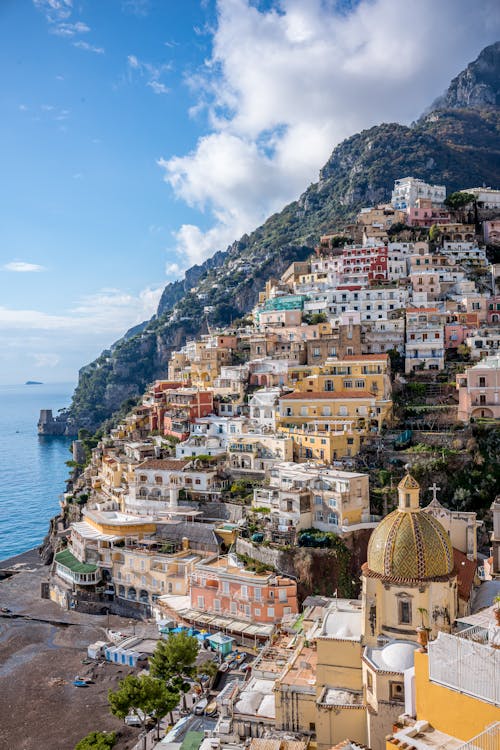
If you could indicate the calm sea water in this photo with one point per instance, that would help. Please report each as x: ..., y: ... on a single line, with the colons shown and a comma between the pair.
x: 32, y: 468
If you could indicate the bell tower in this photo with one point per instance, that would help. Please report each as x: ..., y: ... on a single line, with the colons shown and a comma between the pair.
x: 408, y: 494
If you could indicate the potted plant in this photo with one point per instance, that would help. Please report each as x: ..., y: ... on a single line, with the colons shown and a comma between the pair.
x: 423, y: 631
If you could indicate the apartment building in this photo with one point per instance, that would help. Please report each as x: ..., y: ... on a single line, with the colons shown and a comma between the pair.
x: 257, y: 453
x: 408, y: 190
x: 219, y: 586
x: 424, y: 348
x: 479, y: 390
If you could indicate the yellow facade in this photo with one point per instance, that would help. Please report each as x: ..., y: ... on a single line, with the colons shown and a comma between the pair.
x: 122, y: 528
x: 152, y: 573
x: 454, y: 713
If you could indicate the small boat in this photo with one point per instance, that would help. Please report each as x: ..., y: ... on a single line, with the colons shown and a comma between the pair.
x: 211, y: 709
x: 224, y: 666
x: 80, y: 683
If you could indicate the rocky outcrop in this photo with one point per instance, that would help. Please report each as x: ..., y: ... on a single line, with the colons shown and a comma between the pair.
x: 477, y: 86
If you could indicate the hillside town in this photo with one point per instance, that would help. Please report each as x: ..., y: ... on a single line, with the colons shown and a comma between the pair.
x: 295, y: 492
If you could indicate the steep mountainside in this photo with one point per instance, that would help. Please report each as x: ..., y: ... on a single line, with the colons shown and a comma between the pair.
x: 457, y: 143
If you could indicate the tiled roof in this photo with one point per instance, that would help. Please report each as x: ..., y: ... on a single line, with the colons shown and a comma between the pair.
x: 168, y: 464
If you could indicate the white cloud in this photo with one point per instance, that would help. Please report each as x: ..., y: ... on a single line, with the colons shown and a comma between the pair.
x: 151, y: 72
x: 70, y: 29
x: 284, y: 85
x: 158, y: 88
x: 88, y: 47
x: 20, y: 266
x: 109, y: 311
x: 55, y: 10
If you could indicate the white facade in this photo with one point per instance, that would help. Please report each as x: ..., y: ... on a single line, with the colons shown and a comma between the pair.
x: 263, y: 404
x: 372, y: 304
x: 410, y: 189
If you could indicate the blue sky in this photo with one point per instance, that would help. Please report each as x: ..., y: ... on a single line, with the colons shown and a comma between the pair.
x: 139, y: 136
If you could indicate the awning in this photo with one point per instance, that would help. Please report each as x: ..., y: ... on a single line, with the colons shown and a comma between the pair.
x: 68, y: 560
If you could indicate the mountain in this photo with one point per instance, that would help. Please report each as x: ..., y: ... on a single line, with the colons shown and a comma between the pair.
x: 456, y: 143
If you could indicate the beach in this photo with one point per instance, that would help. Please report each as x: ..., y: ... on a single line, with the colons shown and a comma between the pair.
x: 41, y: 652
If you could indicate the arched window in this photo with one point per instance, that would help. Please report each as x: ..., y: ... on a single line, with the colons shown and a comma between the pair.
x: 132, y: 594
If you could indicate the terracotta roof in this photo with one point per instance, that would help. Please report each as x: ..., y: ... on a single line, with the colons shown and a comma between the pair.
x: 397, y: 580
x: 466, y: 571
x: 322, y: 395
x: 168, y: 464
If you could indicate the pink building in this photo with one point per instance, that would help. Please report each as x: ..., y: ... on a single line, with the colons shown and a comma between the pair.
x: 491, y: 231
x: 493, y: 311
x: 220, y: 587
x: 479, y: 390
x: 455, y: 335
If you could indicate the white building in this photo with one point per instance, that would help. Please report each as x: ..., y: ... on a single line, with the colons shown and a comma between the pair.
x: 263, y: 404
x: 410, y: 189
x: 372, y: 304
x: 424, y: 339
x: 485, y: 197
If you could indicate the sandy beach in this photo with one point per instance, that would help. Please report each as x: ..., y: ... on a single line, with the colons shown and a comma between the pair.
x: 41, y: 652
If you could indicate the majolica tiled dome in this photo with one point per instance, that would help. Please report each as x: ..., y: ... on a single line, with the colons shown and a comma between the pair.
x: 409, y: 544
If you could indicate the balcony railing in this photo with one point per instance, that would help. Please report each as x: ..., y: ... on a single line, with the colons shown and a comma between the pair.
x: 487, y: 740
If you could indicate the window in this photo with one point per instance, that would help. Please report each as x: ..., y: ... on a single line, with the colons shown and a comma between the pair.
x: 347, y: 383
x: 257, y: 612
x: 405, y: 612
x: 244, y: 591
x: 407, y: 500
x: 234, y: 608
x: 360, y: 383
x: 303, y: 411
x: 333, y: 519
x: 158, y: 480
x: 217, y: 605
x: 396, y: 691
x: 201, y: 602
x: 326, y: 411
x: 225, y: 587
x: 369, y: 681
x: 318, y: 500
x: 270, y: 612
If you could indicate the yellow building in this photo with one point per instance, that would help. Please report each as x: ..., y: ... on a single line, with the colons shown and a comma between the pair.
x: 143, y: 573
x: 455, y: 696
x: 327, y: 425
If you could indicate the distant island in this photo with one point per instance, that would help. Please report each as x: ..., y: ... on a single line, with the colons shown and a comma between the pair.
x: 33, y: 382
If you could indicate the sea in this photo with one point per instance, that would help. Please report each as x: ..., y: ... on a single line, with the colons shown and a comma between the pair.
x: 32, y: 468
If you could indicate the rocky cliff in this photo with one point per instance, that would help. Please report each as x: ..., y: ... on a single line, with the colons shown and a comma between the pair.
x: 456, y: 143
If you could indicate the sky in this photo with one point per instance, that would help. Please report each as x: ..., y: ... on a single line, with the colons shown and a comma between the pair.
x: 138, y: 137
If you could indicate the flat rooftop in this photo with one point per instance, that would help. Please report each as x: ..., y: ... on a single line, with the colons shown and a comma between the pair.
x: 303, y: 671
x: 421, y: 736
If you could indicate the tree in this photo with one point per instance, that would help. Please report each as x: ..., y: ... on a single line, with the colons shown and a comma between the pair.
x: 459, y: 200
x: 174, y: 660
x: 207, y: 669
x: 97, y: 741
x: 143, y: 696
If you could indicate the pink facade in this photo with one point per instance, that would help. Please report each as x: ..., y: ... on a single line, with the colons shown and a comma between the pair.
x: 455, y: 335
x: 491, y: 231
x: 479, y: 390
x: 426, y: 217
x: 217, y: 587
x: 493, y: 311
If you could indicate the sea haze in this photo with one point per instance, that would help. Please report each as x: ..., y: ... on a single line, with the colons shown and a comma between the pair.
x: 32, y: 468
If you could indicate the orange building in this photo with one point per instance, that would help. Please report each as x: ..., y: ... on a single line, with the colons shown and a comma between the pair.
x: 220, y: 587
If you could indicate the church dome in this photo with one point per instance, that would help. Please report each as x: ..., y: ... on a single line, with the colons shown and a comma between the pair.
x: 410, y: 544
